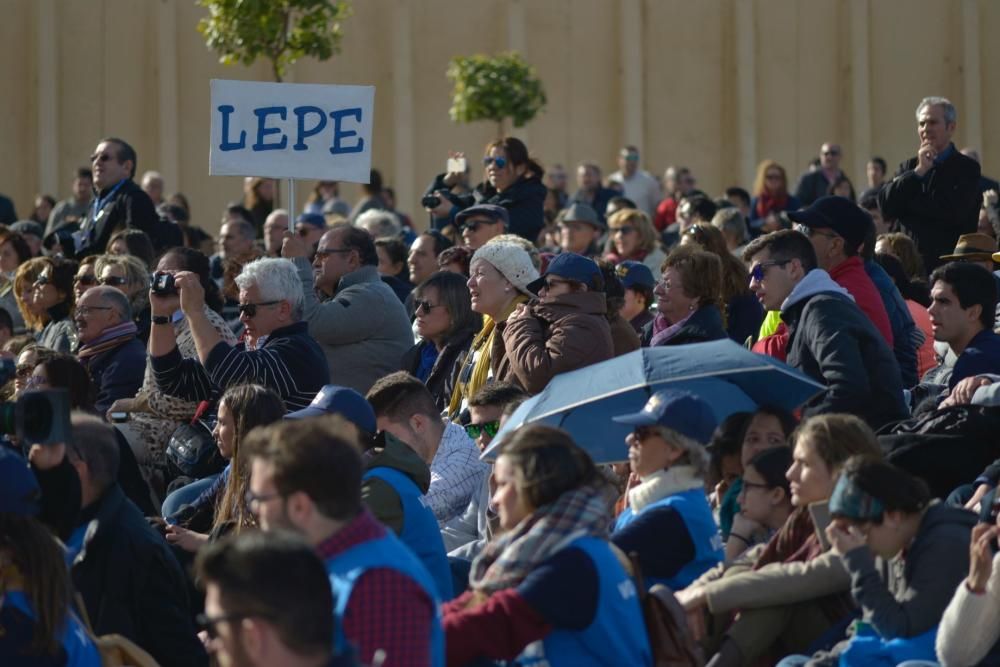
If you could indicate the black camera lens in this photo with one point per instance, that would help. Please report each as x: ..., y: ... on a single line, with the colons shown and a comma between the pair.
x: 430, y: 201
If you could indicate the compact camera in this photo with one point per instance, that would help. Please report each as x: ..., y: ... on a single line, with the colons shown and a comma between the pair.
x: 163, y: 284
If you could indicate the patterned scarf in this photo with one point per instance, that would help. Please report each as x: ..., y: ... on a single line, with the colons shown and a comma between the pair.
x: 476, y: 369
x: 663, y: 331
x: 109, y: 339
x: 508, y: 559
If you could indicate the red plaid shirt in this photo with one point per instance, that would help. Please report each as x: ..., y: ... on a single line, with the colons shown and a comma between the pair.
x: 387, y: 610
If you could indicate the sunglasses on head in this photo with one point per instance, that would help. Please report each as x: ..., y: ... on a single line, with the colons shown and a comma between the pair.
x: 499, y: 161
x: 250, y: 309
x: 489, y: 428
x: 85, y: 279
x: 42, y: 280
x: 114, y: 281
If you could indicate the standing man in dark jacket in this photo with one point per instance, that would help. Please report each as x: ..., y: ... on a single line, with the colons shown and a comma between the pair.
x: 829, y: 338
x: 935, y: 195
x: 129, y: 580
x: 120, y: 203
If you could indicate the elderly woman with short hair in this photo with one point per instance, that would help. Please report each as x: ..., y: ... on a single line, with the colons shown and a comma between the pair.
x: 446, y: 324
x: 688, y: 298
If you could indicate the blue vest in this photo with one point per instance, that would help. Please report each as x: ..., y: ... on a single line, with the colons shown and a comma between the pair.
x: 80, y: 649
x: 420, y: 528
x: 616, y: 636
x: 693, y: 507
x: 347, y: 567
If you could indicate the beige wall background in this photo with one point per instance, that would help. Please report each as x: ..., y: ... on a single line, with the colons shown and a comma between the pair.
x: 717, y: 85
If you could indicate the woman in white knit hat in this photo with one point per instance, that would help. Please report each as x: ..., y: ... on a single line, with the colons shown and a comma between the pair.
x: 498, y: 282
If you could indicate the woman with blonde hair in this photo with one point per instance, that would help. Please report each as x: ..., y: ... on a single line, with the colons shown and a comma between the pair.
x: 24, y: 294
x: 14, y: 251
x: 130, y: 276
x: 770, y: 193
x: 631, y: 236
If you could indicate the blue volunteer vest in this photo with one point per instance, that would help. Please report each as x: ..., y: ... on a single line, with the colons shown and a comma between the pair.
x: 616, y: 636
x: 347, y: 567
x: 80, y: 650
x: 420, y: 529
x: 693, y: 507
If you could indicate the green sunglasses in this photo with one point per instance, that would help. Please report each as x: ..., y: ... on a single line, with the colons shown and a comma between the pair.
x: 490, y: 428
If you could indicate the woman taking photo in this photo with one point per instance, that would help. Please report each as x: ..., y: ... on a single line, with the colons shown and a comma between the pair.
x: 446, y: 325
x: 39, y: 627
x: 514, y: 181
x: 498, y: 283
x: 743, y: 310
x: 53, y: 300
x: 667, y: 521
x: 687, y: 300
x: 565, y: 329
x: 536, y: 595
x: 631, y: 236
x: 770, y: 193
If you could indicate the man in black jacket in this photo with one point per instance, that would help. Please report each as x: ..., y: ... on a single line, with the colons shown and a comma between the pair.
x: 935, y: 195
x: 130, y: 582
x: 120, y: 203
x: 829, y: 338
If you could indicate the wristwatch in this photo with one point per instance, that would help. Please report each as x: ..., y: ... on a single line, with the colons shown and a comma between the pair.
x: 161, y: 319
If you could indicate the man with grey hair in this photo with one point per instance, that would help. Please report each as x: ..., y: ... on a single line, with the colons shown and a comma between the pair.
x: 935, y: 195
x: 733, y: 225
x: 379, y: 223
x: 360, y: 323
x: 129, y: 580
x: 277, y: 350
x: 109, y: 347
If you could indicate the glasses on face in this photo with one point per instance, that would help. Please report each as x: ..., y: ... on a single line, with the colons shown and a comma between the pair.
x: 772, y: 177
x: 114, y: 281
x: 809, y: 231
x: 88, y: 279
x: 84, y: 311
x: 23, y: 371
x: 103, y: 157
x: 426, y: 306
x: 757, y: 272
x: 489, y: 428
x: 624, y: 229
x: 754, y: 485
x: 499, y: 161
x: 250, y: 309
x: 631, y: 157
x: 253, y: 499
x: 323, y: 253
x: 551, y: 283
x: 828, y: 153
x: 209, y: 623
x: 644, y: 432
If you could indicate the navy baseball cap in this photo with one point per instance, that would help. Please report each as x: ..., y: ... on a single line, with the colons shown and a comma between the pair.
x: 19, y: 491
x: 570, y: 266
x: 632, y: 273
x: 343, y: 401
x: 677, y: 410
x: 838, y: 214
x: 314, y: 219
x: 491, y: 211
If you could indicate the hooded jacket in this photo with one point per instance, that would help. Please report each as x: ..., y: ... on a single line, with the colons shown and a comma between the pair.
x: 833, y: 342
x: 561, y: 334
x: 379, y: 496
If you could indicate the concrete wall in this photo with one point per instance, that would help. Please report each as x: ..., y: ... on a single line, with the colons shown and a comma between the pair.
x: 713, y: 84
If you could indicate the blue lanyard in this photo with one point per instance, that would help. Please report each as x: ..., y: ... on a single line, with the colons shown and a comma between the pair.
x: 99, y: 204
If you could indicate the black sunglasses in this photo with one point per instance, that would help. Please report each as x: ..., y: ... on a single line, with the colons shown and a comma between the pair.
x: 426, y: 306
x: 85, y: 279
x: 42, y: 280
x: 490, y: 428
x: 115, y: 281
x: 323, y: 253
x: 250, y: 309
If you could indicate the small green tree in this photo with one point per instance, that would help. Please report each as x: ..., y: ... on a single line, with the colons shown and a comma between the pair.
x: 495, y: 88
x: 280, y: 30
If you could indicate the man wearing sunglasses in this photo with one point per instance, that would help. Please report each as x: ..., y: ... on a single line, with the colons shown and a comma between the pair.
x: 359, y: 322
x: 829, y: 338
x: 267, y: 602
x: 277, y: 350
x: 481, y: 223
x: 815, y: 184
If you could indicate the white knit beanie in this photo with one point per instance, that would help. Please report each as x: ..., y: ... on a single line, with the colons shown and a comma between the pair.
x: 512, y: 261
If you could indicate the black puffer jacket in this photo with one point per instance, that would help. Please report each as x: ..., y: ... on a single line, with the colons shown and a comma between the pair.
x: 444, y: 373
x: 524, y: 201
x: 131, y: 583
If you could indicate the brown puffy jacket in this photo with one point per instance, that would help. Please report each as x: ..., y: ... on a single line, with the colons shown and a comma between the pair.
x: 624, y: 336
x: 561, y: 334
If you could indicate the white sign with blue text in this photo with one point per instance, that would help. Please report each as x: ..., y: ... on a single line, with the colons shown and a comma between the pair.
x: 291, y: 130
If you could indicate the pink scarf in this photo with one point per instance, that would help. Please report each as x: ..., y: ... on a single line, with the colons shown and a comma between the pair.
x: 663, y: 330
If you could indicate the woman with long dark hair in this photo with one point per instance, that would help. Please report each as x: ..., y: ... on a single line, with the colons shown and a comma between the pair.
x: 53, y: 300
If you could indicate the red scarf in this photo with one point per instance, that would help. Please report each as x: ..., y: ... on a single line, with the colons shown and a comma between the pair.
x: 767, y: 202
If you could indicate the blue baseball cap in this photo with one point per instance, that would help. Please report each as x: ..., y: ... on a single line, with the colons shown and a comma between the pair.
x: 570, y: 266
x: 314, y: 219
x: 633, y: 273
x: 343, y: 401
x: 19, y: 491
x: 680, y: 411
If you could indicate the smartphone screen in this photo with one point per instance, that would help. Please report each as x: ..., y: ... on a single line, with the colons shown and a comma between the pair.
x: 456, y: 165
x: 119, y: 416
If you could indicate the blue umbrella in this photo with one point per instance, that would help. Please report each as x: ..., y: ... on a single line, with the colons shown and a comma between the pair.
x: 728, y: 376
